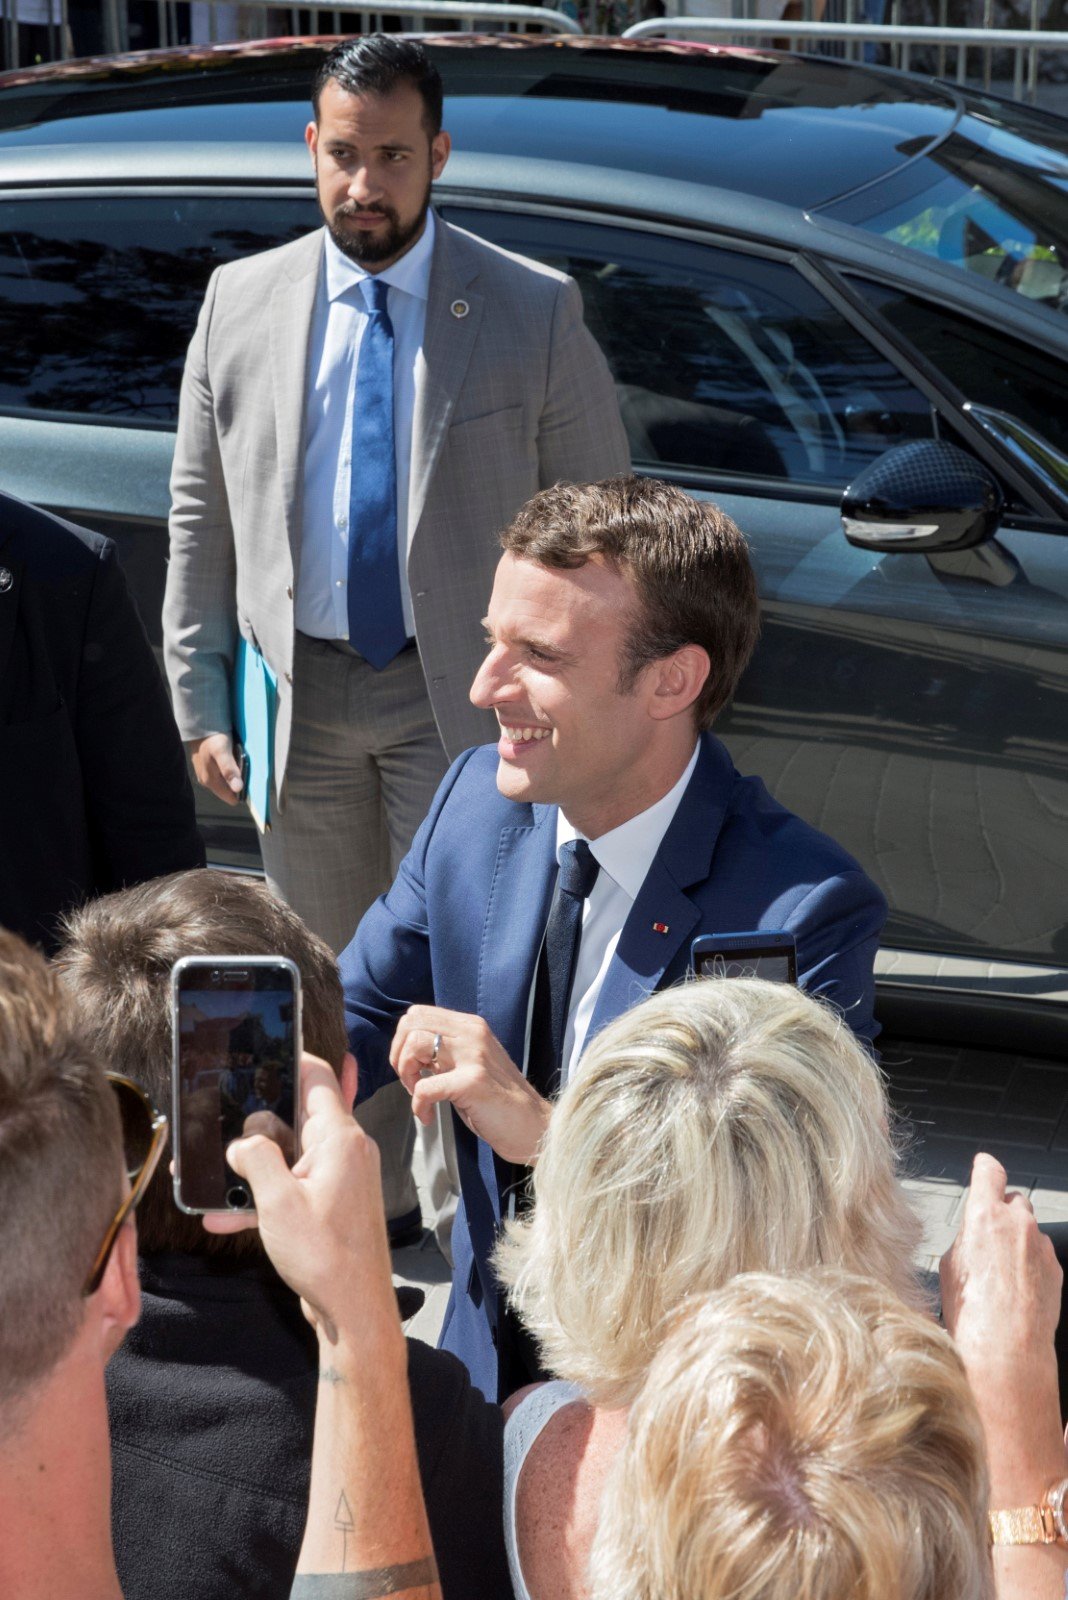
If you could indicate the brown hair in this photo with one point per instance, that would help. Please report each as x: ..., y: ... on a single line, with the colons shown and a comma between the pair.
x: 60, y: 1171
x: 689, y: 564
x: 115, y: 963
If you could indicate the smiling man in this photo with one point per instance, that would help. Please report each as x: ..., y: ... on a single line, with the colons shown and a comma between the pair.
x: 362, y: 411
x: 562, y: 874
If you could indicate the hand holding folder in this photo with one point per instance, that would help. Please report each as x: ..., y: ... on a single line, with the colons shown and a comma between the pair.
x: 255, y: 696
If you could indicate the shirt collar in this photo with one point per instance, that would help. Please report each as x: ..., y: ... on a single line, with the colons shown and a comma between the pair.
x: 626, y: 853
x: 411, y: 273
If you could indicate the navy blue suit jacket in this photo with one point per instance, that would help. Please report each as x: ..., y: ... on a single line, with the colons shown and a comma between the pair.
x: 462, y: 926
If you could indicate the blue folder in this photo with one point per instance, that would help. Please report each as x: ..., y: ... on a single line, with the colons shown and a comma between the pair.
x: 255, y: 704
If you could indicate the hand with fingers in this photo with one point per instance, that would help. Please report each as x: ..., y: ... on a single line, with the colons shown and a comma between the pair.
x: 452, y: 1057
x: 1001, y: 1301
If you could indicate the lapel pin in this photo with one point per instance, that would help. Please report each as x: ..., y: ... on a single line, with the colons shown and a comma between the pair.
x: 661, y: 927
x: 459, y: 308
x: 6, y: 580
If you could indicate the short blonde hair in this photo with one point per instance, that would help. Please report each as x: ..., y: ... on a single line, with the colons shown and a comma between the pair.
x: 724, y: 1126
x: 799, y: 1439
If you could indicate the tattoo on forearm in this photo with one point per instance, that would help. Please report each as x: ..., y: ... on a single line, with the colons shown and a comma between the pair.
x: 331, y: 1376
x: 370, y: 1584
x: 344, y: 1522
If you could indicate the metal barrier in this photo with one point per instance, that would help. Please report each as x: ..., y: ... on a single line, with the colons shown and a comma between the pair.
x: 1019, y: 40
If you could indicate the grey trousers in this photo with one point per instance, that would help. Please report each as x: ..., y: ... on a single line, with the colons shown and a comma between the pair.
x: 365, y: 760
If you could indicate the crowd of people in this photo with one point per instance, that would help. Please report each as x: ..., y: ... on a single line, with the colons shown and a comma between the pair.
x: 688, y: 1353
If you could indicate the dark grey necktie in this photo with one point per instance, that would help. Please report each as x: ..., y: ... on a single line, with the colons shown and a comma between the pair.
x: 556, y: 966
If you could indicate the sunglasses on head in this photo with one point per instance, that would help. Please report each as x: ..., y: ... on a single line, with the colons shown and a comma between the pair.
x: 144, y: 1133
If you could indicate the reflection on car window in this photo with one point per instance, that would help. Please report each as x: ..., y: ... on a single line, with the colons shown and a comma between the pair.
x: 724, y: 362
x: 99, y: 297
x: 987, y: 207
x: 989, y: 367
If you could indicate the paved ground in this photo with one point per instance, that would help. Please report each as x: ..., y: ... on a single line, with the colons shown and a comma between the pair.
x: 952, y: 1103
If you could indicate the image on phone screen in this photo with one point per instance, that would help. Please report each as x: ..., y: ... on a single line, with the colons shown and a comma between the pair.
x: 776, y: 968
x: 236, y: 1038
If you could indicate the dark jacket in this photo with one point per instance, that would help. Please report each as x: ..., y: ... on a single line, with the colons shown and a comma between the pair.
x: 93, y: 786
x: 211, y: 1401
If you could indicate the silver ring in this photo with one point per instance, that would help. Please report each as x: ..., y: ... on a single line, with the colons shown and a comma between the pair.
x: 434, y: 1052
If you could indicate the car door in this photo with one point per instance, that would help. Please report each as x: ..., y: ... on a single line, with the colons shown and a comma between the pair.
x: 913, y: 708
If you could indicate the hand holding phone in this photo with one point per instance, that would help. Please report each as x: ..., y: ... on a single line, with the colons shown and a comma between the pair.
x: 236, y: 1029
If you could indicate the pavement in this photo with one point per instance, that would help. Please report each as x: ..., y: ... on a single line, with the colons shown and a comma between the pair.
x: 950, y: 1104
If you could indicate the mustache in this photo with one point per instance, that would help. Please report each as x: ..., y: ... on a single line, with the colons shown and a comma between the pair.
x: 350, y: 209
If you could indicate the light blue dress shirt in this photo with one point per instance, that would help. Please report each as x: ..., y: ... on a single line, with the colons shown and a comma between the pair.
x: 320, y: 599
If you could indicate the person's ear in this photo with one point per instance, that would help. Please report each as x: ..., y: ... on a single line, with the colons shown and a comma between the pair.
x: 119, y: 1294
x: 440, y: 148
x: 311, y: 139
x: 677, y: 681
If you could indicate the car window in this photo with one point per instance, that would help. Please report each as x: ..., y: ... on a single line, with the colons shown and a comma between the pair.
x: 99, y: 296
x: 988, y: 366
x: 724, y: 362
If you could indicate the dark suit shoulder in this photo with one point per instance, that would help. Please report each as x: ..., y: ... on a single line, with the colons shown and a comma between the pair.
x: 50, y: 546
x: 755, y: 818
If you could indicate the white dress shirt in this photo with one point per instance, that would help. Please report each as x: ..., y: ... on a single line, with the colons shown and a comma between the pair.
x: 624, y: 856
x: 321, y: 599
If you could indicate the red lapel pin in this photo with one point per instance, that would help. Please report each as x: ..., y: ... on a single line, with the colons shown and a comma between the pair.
x: 660, y: 927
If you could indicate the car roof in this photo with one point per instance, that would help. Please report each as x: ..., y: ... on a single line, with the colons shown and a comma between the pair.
x: 782, y: 127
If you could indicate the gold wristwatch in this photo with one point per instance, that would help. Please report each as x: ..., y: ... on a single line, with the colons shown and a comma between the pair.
x: 1042, y: 1524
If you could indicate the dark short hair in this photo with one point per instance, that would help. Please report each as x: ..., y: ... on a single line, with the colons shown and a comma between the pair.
x: 688, y: 561
x: 378, y: 63
x: 115, y: 963
x: 60, y: 1172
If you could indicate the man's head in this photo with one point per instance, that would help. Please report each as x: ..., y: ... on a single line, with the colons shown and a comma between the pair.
x: 115, y: 965
x: 61, y: 1176
x: 622, y: 616
x: 795, y: 1436
x: 724, y: 1126
x: 376, y: 144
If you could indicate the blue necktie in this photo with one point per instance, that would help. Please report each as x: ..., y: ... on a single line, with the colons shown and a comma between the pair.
x: 376, y: 616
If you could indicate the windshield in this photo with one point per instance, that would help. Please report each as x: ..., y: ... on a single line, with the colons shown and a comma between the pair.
x: 990, y: 199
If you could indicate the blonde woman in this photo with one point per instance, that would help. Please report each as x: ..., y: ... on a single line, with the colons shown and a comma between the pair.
x: 719, y: 1128
x: 804, y: 1438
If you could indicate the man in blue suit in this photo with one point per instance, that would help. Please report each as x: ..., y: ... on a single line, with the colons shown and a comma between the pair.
x: 622, y: 617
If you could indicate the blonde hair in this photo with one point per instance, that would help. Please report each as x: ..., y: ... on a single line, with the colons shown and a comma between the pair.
x: 799, y: 1439
x: 725, y: 1126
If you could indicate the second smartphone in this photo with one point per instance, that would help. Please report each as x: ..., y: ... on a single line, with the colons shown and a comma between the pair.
x: 237, y: 1043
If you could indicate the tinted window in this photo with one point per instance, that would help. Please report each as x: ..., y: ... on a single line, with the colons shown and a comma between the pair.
x: 99, y: 297
x: 724, y: 362
x: 986, y: 365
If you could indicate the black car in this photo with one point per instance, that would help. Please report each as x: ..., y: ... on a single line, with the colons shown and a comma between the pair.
x: 795, y: 267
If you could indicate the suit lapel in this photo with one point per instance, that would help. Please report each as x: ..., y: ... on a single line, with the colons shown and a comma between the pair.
x: 448, y: 341
x: 663, y: 917
x: 523, y: 882
x: 292, y: 312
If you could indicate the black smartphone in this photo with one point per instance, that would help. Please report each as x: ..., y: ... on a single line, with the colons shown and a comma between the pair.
x: 236, y: 1027
x: 771, y: 955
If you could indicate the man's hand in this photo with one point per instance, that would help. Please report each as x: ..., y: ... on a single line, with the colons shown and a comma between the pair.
x: 322, y: 1222
x: 472, y: 1073
x: 215, y: 767
x: 1001, y: 1301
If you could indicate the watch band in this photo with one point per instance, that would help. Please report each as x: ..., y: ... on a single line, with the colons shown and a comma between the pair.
x: 1041, y: 1524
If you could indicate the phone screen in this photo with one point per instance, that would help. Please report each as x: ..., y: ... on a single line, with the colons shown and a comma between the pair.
x: 236, y: 1028
x: 721, y: 964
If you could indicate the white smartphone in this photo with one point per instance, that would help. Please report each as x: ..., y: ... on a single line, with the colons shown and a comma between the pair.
x: 237, y: 1043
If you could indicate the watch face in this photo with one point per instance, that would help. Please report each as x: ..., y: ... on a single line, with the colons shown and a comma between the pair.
x: 1055, y: 1499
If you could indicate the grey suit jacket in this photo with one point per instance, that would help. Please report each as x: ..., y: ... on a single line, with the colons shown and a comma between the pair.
x: 512, y: 396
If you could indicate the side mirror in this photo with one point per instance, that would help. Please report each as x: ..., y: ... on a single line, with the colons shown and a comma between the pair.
x: 925, y: 496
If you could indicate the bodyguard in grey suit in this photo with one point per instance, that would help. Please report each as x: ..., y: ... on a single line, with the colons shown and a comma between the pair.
x: 354, y: 541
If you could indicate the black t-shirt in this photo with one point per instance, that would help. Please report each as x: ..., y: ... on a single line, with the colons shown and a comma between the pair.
x: 212, y: 1401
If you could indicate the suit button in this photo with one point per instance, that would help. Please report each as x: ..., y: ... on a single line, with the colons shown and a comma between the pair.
x: 289, y: 591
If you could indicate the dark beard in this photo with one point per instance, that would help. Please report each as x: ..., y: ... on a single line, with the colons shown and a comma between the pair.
x: 370, y: 249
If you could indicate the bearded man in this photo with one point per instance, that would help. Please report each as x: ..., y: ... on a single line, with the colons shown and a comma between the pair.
x: 362, y: 411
